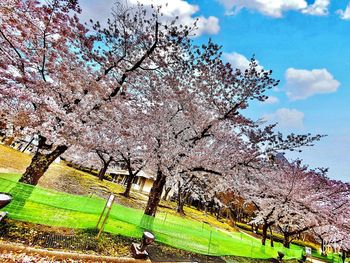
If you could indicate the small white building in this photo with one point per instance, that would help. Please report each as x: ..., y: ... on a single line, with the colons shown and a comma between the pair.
x: 142, y: 182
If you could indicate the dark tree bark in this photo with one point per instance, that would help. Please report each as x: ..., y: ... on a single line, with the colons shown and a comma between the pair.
x: 264, y: 234
x: 129, y: 180
x: 128, y: 185
x: 200, y: 205
x: 181, y: 201
x: 183, y: 194
x: 105, y: 162
x: 132, y: 174
x: 323, y: 252
x: 166, y: 193
x: 180, y: 208
x: 41, y: 162
x: 103, y: 170
x: 271, y: 237
x: 286, y: 240
x: 265, y: 227
x: 155, y: 194
x: 287, y: 235
x: 218, y: 213
x: 256, y: 229
x: 231, y: 216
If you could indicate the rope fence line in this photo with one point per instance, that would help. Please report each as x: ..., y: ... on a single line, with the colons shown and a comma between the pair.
x: 53, y: 208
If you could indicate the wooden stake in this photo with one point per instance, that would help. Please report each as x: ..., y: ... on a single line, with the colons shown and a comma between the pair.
x: 108, y: 205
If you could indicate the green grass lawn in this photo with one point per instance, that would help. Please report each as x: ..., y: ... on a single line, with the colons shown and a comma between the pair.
x: 49, y: 207
x: 67, y: 197
x: 331, y: 257
x: 62, y: 178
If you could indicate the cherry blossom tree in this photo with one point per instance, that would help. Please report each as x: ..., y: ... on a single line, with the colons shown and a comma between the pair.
x: 38, y: 57
x: 79, y: 156
x: 301, y: 200
x: 131, y: 142
x: 335, y: 231
x: 209, y: 96
x: 55, y: 73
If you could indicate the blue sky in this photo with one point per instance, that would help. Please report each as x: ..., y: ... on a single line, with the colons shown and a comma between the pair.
x: 305, y: 43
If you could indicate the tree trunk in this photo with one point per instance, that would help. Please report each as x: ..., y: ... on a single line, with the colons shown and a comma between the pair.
x: 40, y: 163
x: 103, y: 170
x: 166, y: 193
x: 180, y: 204
x: 286, y: 241
x: 105, y: 163
x: 231, y: 217
x: 180, y: 208
x: 323, y: 252
x: 155, y: 194
x: 128, y: 185
x: 180, y: 200
x: 271, y: 237
x: 256, y: 229
x: 264, y: 234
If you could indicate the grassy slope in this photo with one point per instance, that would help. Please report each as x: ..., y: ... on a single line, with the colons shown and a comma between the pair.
x: 53, y: 208
x: 64, y: 178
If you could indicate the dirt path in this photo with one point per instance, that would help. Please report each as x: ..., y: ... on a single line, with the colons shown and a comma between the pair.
x: 10, y: 252
x: 314, y: 260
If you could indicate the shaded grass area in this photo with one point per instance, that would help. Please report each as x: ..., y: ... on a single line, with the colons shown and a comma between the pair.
x: 78, y: 240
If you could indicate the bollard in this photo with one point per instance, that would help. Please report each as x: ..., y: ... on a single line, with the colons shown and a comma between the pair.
x: 5, y: 199
x: 280, y: 256
x: 139, y: 251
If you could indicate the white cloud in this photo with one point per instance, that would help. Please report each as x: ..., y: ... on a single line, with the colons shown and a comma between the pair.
x: 238, y: 61
x: 208, y: 26
x: 276, y: 8
x: 344, y: 14
x: 100, y: 11
x: 287, y: 118
x: 271, y: 100
x: 301, y: 83
x: 318, y: 8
